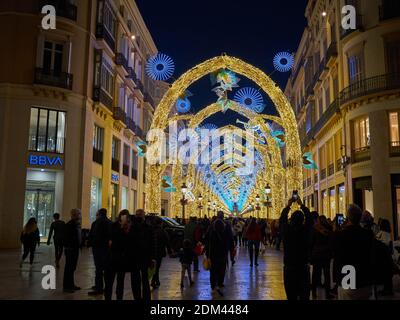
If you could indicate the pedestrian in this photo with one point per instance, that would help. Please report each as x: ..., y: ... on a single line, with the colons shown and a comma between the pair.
x: 254, y: 237
x: 189, y: 234
x: 218, y: 244
x: 186, y: 258
x: 117, y: 263
x: 72, y: 244
x: 353, y: 246
x: 367, y: 222
x: 98, y: 239
x: 321, y: 255
x: 162, y: 245
x: 296, y: 236
x: 30, y: 238
x: 57, y: 233
x: 141, y: 255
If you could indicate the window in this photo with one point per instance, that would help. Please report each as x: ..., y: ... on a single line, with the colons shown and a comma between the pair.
x: 342, y: 201
x: 47, y: 130
x: 320, y: 106
x: 393, y: 57
x: 134, y: 164
x: 98, y: 136
x: 134, y: 200
x: 130, y: 110
x: 53, y: 57
x: 107, y: 78
x: 115, y: 148
x: 126, y: 160
x: 137, y: 114
x: 332, y: 203
x: 109, y: 20
x: 394, y: 128
x: 356, y: 72
x: 309, y: 122
x: 121, y: 98
x: 361, y: 133
x: 325, y: 204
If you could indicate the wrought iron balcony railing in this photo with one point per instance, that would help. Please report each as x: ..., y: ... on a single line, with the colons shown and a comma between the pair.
x: 97, y: 156
x: 120, y: 60
x: 103, y: 33
x: 52, y: 78
x: 119, y: 114
x: 99, y: 95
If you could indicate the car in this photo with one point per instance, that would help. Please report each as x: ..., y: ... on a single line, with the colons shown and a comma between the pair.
x: 174, y: 229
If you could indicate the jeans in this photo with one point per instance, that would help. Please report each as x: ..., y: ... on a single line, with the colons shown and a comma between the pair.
x: 186, y: 268
x: 100, y: 259
x: 58, y: 250
x: 71, y: 261
x: 254, y: 249
x: 29, y: 249
x: 217, y: 273
x: 297, y: 282
x: 140, y: 283
x: 109, y: 283
x: 324, y: 266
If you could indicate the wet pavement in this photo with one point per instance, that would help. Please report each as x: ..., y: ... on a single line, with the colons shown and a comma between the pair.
x: 241, y: 283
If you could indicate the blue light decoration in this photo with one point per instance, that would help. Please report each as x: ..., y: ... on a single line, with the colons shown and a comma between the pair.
x: 283, y: 61
x: 308, y: 161
x: 167, y: 185
x: 160, y: 67
x: 250, y: 98
x: 279, y: 137
x: 142, y: 148
x: 183, y: 103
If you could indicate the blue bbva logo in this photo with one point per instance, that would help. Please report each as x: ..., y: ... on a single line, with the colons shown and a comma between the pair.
x: 45, y: 160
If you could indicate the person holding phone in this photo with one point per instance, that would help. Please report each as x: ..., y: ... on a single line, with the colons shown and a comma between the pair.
x: 296, y: 234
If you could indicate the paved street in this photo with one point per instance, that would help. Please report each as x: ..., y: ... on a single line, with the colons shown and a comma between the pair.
x: 242, y: 282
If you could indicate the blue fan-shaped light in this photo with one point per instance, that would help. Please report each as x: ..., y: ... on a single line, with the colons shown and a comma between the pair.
x: 160, y: 67
x: 183, y: 105
x: 283, y: 61
x: 250, y: 98
x: 209, y: 126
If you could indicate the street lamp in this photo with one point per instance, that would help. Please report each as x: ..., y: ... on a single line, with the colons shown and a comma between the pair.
x: 183, y: 200
x: 209, y: 208
x: 258, y: 206
x: 267, y: 190
x: 215, y: 208
x: 344, y: 160
x: 200, y: 198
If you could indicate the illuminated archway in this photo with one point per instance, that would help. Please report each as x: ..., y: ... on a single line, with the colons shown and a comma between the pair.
x: 286, y: 115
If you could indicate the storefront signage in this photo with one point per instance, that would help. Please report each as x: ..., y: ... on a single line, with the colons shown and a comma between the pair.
x: 45, y: 161
x: 115, y: 177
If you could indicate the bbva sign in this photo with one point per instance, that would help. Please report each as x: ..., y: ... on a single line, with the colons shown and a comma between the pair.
x: 45, y: 161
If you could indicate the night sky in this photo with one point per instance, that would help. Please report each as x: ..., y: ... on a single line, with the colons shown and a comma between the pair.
x: 253, y: 30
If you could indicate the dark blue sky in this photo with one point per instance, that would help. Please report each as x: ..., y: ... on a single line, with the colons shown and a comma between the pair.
x: 253, y: 30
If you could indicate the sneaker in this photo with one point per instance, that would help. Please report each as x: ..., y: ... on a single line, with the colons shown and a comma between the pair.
x: 191, y: 283
x: 219, y: 291
x: 256, y: 264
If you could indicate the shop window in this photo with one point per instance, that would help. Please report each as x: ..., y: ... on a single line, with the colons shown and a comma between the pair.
x: 47, y: 130
x: 394, y: 129
x: 95, y: 198
x: 342, y: 201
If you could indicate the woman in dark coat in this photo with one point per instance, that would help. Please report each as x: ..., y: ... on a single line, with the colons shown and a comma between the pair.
x: 30, y: 238
x: 321, y: 255
x: 217, y: 249
x: 161, y: 242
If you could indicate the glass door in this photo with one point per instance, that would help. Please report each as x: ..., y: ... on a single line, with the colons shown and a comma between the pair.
x: 40, y: 205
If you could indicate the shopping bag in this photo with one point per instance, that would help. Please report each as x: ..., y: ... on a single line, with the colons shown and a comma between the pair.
x: 151, y: 271
x: 207, y: 264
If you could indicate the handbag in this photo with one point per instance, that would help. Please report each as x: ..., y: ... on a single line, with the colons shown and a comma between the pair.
x: 206, y: 264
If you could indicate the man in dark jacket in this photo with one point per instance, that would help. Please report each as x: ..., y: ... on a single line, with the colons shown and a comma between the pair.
x: 161, y: 243
x: 99, y: 238
x: 296, y: 237
x: 141, y: 256
x: 353, y: 246
x: 72, y: 244
x: 57, y: 228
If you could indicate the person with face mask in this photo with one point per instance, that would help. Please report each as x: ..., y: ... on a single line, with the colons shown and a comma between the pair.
x: 142, y: 253
x: 296, y: 234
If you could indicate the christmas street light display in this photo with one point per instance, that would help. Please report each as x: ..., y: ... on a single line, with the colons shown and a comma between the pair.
x: 160, y: 67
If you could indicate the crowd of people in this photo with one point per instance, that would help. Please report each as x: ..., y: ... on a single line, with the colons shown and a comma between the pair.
x: 135, y: 245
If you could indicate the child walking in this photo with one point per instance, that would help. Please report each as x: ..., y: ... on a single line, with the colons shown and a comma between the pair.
x: 186, y: 258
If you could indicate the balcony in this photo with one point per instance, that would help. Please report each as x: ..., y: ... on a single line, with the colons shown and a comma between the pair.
x: 63, y: 8
x: 134, y: 174
x: 331, y: 170
x: 369, y: 86
x: 132, y: 74
x: 308, y: 182
x: 316, y: 178
x: 139, y: 86
x: 97, y: 156
x: 125, y: 170
x: 339, y: 165
x: 395, y: 148
x: 390, y: 9
x: 115, y: 164
x: 54, y: 79
x: 103, y: 33
x: 130, y: 124
x: 139, y: 133
x: 119, y: 115
x: 120, y: 60
x: 331, y: 53
x: 361, y: 154
x: 100, y: 95
x: 148, y: 98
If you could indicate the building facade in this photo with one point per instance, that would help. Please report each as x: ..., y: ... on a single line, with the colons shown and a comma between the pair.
x: 345, y: 89
x: 74, y: 102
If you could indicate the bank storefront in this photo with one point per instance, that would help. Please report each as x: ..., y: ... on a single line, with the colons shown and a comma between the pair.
x: 45, y: 167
